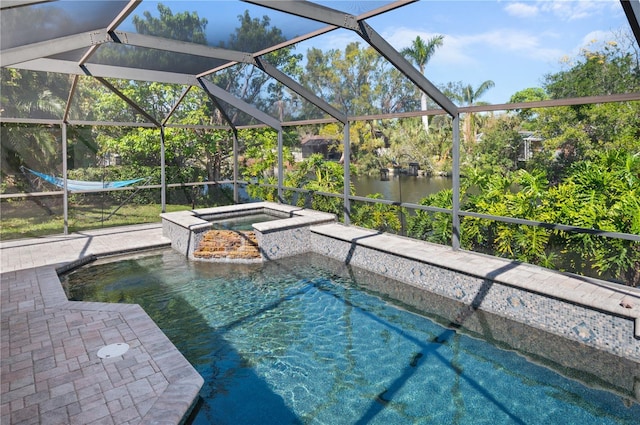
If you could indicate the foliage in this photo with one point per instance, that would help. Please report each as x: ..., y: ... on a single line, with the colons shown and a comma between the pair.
x: 317, y: 175
x: 408, y: 142
x: 601, y: 194
x: 531, y: 94
x: 260, y: 161
x: 602, y: 68
x: 429, y: 225
x: 28, y: 94
x: 574, y: 133
x: 497, y: 151
x: 380, y: 217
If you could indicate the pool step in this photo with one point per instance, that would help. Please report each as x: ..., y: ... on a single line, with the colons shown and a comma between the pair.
x: 228, y: 244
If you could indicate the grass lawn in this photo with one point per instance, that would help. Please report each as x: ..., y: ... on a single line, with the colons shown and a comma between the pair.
x: 26, y: 219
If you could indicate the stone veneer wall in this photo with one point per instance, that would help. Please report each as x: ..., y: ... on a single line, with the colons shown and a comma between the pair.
x: 288, y: 234
x: 602, y: 330
x: 284, y: 243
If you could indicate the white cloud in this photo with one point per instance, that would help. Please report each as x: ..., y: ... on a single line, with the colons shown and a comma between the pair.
x: 595, y: 37
x: 574, y: 10
x: 338, y: 40
x: 451, y: 52
x: 518, y: 42
x: 469, y: 49
x: 522, y: 10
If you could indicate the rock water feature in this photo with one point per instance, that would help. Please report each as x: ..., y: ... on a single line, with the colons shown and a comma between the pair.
x: 253, y: 232
x: 228, y: 245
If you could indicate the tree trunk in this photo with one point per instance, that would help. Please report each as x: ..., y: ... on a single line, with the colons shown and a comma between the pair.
x: 423, y: 107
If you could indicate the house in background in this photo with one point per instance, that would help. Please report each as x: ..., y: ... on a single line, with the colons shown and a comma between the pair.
x: 531, y: 143
x: 328, y: 147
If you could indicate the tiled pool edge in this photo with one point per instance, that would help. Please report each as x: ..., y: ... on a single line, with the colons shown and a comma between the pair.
x: 563, y: 305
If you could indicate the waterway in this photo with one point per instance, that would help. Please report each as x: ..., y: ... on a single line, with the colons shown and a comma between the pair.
x: 402, y: 188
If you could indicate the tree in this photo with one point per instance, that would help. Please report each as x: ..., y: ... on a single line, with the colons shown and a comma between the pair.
x: 600, y: 69
x: 183, y: 26
x: 28, y: 94
x: 497, y: 151
x: 420, y: 53
x: 409, y: 143
x: 531, y: 94
x: 467, y: 95
x: 345, y: 79
x: 248, y: 82
x: 580, y: 132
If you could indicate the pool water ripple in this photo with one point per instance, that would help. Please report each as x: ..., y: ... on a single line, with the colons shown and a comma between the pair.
x: 296, y: 342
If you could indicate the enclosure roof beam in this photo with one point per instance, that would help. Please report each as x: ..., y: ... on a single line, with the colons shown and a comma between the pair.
x: 309, y: 10
x: 72, y: 90
x: 8, y: 4
x: 160, y: 43
x: 632, y: 10
x: 330, y: 16
x: 296, y: 87
x: 46, y: 48
x: 124, y: 13
x: 128, y: 101
x: 107, y: 71
x: 226, y: 117
x: 227, y: 97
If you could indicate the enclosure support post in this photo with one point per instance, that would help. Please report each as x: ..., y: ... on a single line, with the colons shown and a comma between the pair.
x: 235, y: 166
x: 163, y: 182
x: 347, y: 175
x: 65, y: 195
x: 280, y: 167
x: 455, y: 218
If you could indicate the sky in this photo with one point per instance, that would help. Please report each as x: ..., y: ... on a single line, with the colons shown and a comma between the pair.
x: 512, y: 43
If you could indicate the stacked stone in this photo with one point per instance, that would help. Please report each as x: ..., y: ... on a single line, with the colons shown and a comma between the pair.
x: 228, y: 244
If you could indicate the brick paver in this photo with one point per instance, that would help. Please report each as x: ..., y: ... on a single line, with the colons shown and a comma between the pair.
x: 50, y: 370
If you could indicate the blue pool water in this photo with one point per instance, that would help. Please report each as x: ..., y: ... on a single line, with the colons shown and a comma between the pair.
x: 310, y: 341
x: 241, y: 222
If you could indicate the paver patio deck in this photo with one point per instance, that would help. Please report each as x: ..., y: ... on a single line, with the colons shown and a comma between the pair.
x: 50, y: 369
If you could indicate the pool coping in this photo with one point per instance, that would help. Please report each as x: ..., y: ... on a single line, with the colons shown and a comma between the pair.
x: 598, y: 294
x: 358, y: 246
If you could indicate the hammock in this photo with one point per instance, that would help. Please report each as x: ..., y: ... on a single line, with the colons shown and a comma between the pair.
x: 74, y: 185
x: 77, y: 185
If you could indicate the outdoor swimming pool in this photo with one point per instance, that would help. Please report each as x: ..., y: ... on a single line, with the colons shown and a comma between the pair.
x: 309, y: 340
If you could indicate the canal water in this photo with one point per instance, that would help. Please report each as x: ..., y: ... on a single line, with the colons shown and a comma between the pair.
x: 402, y: 188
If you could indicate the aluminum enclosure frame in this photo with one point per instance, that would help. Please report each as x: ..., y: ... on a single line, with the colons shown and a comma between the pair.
x: 36, y: 57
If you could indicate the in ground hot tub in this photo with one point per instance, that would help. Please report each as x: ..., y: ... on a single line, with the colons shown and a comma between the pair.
x: 244, y: 233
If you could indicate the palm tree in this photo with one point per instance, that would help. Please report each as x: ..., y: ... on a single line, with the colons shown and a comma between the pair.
x: 469, y: 97
x: 421, y: 52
